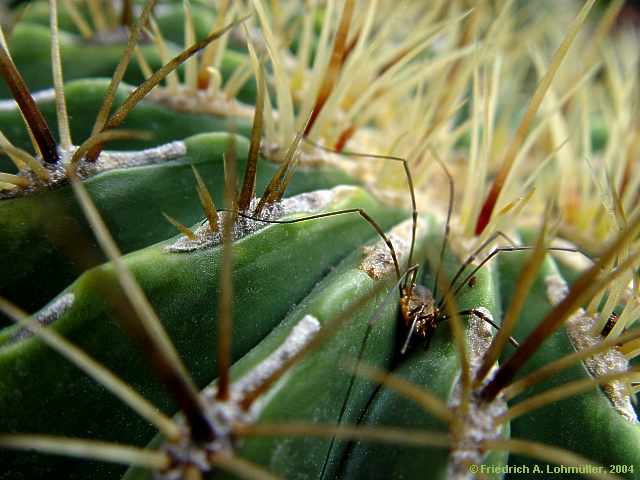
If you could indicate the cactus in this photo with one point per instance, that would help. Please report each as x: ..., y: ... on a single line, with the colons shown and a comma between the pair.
x: 432, y: 282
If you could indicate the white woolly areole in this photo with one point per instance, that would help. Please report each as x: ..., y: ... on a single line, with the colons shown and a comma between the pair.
x: 10, y: 105
x: 575, y: 261
x: 188, y: 100
x: 311, y: 156
x: 107, y: 160
x: 224, y: 415
x: 310, y: 202
x: 298, y: 338
x: 110, y: 37
x: 580, y: 327
x: 377, y: 260
x: 478, y: 423
x: 46, y: 316
x: 581, y: 263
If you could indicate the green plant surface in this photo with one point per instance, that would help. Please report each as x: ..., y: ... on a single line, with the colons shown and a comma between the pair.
x: 168, y: 16
x: 30, y: 47
x: 435, y: 369
x: 38, y: 231
x: 183, y: 288
x: 585, y: 423
x: 84, y: 99
x: 317, y: 387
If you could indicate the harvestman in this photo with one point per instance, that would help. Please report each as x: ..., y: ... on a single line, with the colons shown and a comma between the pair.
x: 421, y: 311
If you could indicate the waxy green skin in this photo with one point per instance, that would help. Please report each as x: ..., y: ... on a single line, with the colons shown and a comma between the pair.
x: 586, y: 424
x: 436, y: 370
x: 30, y: 47
x: 170, y: 20
x: 84, y: 98
x: 45, y: 242
x: 316, y: 388
x: 168, y: 17
x: 41, y: 392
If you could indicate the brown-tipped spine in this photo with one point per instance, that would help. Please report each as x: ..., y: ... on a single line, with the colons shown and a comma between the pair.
x: 206, y: 201
x: 277, y: 186
x: 225, y: 309
x: 487, y: 208
x: 337, y: 60
x: 249, y: 183
x: 521, y: 133
x: 184, y: 230
x: 587, y: 284
x: 126, y: 18
x: 344, y: 137
x: 32, y: 115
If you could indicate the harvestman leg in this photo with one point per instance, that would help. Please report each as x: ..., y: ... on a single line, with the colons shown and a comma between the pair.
x: 411, y: 270
x: 492, y: 238
x: 493, y: 253
x: 447, y: 225
x: 412, y: 329
x: 414, y: 207
x: 359, y: 211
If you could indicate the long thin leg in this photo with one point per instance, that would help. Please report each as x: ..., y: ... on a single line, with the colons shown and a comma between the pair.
x: 471, y: 258
x: 359, y: 211
x: 482, y: 316
x: 407, y: 171
x: 405, y: 345
x: 447, y: 226
x: 506, y: 249
x: 407, y: 341
x: 370, y: 325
